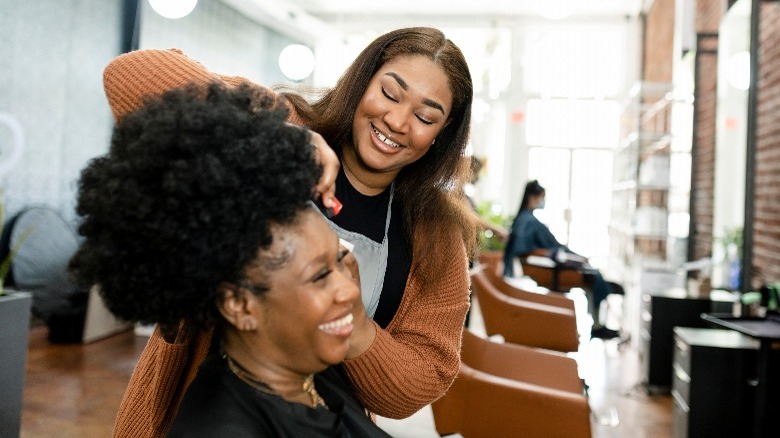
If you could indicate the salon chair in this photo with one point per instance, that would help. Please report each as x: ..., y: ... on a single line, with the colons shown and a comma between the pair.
x: 512, y: 390
x: 551, y: 298
x: 548, y: 273
x: 524, y: 322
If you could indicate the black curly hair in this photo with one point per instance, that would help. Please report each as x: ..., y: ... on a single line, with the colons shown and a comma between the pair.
x: 185, y: 198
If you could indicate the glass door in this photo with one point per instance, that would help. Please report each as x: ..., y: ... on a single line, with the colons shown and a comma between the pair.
x: 578, y: 184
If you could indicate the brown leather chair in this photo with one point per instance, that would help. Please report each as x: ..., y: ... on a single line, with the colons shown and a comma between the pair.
x: 552, y: 276
x: 524, y: 322
x: 551, y: 298
x: 505, y: 390
x: 555, y: 279
x: 492, y: 260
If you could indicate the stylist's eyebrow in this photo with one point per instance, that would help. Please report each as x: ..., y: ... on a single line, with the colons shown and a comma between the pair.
x: 405, y: 86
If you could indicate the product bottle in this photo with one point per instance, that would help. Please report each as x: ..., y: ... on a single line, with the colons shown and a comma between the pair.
x: 734, y: 267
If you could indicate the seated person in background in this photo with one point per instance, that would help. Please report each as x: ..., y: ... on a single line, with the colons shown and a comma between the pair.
x: 200, y: 212
x: 528, y: 235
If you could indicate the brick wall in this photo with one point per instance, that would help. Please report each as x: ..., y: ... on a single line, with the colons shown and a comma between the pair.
x: 708, y: 17
x: 766, y: 233
x: 704, y: 108
x: 659, y: 42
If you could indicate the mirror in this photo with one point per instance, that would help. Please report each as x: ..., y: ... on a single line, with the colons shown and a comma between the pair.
x: 731, y: 144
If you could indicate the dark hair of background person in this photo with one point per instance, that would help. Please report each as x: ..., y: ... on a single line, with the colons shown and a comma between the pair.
x: 476, y: 167
x: 533, y: 188
x: 429, y: 189
x: 185, y: 198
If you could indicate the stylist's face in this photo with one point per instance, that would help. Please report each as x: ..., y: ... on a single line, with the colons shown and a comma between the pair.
x: 306, y: 315
x: 406, y: 105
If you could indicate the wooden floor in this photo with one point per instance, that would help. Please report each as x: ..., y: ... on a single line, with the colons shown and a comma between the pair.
x: 74, y: 390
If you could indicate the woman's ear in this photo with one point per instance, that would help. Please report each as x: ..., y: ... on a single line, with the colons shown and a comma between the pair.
x: 236, y: 306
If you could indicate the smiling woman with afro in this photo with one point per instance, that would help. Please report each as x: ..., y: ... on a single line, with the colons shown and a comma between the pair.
x: 200, y: 212
x: 184, y: 199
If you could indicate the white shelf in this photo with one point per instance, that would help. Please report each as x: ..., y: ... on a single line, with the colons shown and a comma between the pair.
x: 644, y: 192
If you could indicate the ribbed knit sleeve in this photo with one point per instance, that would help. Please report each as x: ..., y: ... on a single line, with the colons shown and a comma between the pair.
x: 159, y: 380
x: 415, y: 360
x: 132, y: 77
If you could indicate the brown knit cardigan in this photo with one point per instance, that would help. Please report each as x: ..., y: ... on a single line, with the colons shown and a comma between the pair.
x: 410, y: 363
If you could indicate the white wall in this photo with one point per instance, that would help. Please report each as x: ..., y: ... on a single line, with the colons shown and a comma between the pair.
x: 53, y: 53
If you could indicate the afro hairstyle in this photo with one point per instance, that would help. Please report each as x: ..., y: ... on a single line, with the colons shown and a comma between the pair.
x: 186, y: 197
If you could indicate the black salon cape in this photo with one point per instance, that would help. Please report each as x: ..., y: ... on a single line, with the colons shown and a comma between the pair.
x: 219, y: 404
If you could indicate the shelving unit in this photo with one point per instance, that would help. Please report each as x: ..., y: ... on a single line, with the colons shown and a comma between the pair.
x: 650, y: 194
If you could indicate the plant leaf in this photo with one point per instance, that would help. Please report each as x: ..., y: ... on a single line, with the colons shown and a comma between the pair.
x: 5, y: 266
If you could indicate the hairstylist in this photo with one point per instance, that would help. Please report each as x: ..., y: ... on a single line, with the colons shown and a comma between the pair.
x: 398, y: 120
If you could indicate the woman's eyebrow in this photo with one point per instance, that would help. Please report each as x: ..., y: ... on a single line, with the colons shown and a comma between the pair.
x: 405, y: 86
x: 398, y: 79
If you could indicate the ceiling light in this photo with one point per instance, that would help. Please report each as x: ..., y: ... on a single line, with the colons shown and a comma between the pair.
x: 296, y: 61
x: 173, y: 9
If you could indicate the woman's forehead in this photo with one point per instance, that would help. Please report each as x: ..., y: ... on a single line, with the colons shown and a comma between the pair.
x: 305, y: 237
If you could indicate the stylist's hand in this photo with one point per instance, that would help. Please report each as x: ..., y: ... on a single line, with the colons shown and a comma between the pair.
x: 364, y: 330
x: 326, y: 157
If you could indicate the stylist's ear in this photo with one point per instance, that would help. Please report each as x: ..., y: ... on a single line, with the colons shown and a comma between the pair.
x: 236, y: 306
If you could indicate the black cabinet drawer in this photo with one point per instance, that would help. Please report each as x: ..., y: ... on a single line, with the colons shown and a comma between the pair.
x: 710, y: 393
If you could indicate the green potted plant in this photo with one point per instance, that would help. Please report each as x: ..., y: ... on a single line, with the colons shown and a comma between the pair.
x: 491, y: 214
x: 15, y: 307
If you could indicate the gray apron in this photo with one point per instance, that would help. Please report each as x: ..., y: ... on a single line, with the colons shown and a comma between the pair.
x: 372, y: 260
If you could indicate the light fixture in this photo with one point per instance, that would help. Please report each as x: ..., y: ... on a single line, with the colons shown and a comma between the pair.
x: 296, y: 61
x: 10, y: 151
x: 173, y: 9
x: 738, y: 70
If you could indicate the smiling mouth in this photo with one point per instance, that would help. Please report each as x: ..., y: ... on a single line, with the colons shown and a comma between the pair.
x: 338, y: 327
x: 384, y: 139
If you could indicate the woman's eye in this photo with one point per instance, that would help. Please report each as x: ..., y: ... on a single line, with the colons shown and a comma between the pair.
x: 387, y: 95
x: 424, y: 120
x: 342, y: 254
x: 321, y: 275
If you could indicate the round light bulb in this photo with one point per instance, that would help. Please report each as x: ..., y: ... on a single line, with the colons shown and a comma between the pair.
x: 296, y: 61
x: 173, y: 9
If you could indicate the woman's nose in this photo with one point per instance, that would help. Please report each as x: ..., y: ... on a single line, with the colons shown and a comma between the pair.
x: 397, y: 118
x: 348, y: 287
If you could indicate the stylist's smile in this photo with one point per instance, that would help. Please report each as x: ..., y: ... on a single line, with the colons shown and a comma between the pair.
x: 384, y: 139
x: 339, y: 327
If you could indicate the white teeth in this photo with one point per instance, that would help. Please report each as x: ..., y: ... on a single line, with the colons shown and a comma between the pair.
x: 333, y: 325
x: 386, y: 140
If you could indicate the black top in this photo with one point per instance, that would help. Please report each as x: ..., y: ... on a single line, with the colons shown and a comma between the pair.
x: 367, y: 215
x: 219, y: 404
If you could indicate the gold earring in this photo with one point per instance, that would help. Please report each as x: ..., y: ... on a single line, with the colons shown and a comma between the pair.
x: 433, y: 142
x: 247, y: 324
